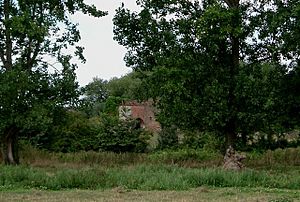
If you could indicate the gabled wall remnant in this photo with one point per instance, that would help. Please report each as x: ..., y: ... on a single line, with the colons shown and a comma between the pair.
x: 144, y: 112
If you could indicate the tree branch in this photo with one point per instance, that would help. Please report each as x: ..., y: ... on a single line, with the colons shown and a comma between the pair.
x: 232, y: 3
x: 33, y: 52
x: 8, y: 41
x: 2, y: 56
x: 31, y: 59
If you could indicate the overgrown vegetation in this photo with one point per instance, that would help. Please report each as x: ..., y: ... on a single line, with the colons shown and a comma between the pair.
x: 203, y: 70
x: 91, y: 170
x: 229, y: 67
x: 218, y: 73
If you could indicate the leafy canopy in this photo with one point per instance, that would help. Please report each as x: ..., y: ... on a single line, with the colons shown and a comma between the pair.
x: 36, y: 72
x: 214, y: 65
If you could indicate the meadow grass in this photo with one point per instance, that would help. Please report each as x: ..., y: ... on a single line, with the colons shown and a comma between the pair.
x: 141, y: 177
x: 278, y: 158
x: 164, y: 170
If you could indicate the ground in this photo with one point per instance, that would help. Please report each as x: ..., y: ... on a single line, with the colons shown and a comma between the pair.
x: 120, y: 194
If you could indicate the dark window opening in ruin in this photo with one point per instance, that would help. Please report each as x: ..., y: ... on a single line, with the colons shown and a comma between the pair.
x: 139, y: 124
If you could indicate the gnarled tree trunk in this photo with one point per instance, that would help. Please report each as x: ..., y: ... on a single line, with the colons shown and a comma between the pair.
x: 9, y: 146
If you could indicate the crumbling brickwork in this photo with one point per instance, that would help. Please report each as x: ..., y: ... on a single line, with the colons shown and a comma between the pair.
x: 144, y: 112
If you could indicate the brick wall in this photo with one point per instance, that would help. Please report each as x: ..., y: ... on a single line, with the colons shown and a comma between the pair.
x: 144, y: 111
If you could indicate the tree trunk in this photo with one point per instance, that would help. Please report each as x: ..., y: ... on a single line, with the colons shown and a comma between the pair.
x: 230, y: 129
x: 9, y: 147
x: 230, y: 136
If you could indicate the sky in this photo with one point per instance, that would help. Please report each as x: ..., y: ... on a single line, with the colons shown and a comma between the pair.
x: 104, y: 55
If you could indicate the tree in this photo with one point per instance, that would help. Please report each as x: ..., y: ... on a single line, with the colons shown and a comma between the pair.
x: 31, y: 89
x: 105, y: 96
x: 126, y: 87
x: 96, y: 91
x: 95, y: 95
x: 205, y: 60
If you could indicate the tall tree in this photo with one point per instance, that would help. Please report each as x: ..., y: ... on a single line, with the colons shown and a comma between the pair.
x: 205, y: 60
x: 31, y: 32
x: 95, y: 94
x: 125, y: 87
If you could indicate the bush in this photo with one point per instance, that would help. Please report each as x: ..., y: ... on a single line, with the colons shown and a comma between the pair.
x: 173, y: 138
x: 202, y: 140
x: 76, y: 132
x: 168, y: 138
x: 121, y: 136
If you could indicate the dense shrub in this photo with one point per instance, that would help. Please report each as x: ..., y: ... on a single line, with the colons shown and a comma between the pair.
x: 76, y: 132
x: 202, y: 140
x: 173, y: 138
x: 121, y: 136
x: 73, y: 133
x: 168, y: 138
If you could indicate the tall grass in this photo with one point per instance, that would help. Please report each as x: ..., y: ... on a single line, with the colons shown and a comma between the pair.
x: 178, y: 178
x: 40, y: 158
x: 185, y: 157
x: 188, y: 157
x: 274, y: 159
x: 141, y: 177
x: 164, y: 170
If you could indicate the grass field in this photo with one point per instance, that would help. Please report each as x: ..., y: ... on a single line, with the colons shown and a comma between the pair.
x: 119, y: 194
x: 273, y: 176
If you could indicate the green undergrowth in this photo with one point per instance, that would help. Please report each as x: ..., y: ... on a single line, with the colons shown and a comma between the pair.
x: 182, y: 157
x: 277, y: 159
x: 274, y: 159
x: 162, y: 170
x: 142, y: 177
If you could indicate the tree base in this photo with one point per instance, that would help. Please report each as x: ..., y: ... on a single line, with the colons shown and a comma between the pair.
x: 233, y: 160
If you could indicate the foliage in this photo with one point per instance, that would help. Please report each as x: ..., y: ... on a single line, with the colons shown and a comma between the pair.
x: 31, y: 34
x: 112, y: 105
x: 174, y: 138
x: 201, y: 140
x: 74, y: 132
x: 127, y: 87
x: 204, y: 62
x: 168, y: 138
x: 94, y: 96
x: 96, y: 91
x: 121, y: 136
x: 77, y: 132
x: 101, y: 96
x: 290, y: 94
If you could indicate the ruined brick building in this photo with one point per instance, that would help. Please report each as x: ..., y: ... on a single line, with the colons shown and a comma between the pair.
x: 144, y: 112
